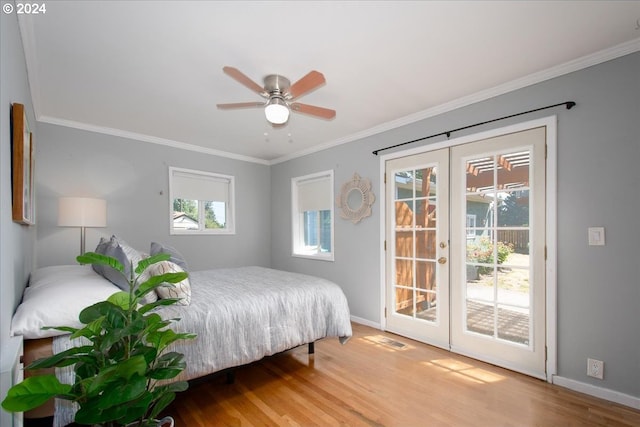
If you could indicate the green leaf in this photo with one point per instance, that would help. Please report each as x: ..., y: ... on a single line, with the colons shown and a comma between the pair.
x: 168, y: 366
x: 98, y: 310
x: 120, y: 299
x: 64, y: 358
x: 173, y: 277
x: 94, y: 258
x: 123, y: 391
x: 125, y: 369
x: 90, y: 331
x: 68, y: 329
x: 146, y: 262
x: 161, y: 339
x: 163, y: 401
x: 137, y: 409
x: 90, y: 414
x: 149, y: 353
x: 161, y: 302
x: 155, y: 281
x: 33, y: 392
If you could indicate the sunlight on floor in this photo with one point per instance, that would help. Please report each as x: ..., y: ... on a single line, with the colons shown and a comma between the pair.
x: 465, y: 371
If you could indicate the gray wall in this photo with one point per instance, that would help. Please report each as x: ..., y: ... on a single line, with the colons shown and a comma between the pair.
x: 133, y: 177
x: 16, y: 241
x: 598, y: 185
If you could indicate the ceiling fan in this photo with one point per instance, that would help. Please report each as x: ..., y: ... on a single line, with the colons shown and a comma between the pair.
x: 280, y: 95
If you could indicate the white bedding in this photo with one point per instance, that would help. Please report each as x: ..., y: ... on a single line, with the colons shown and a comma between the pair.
x: 244, y: 314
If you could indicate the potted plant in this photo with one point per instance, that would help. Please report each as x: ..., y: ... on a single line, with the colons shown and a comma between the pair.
x: 122, y: 369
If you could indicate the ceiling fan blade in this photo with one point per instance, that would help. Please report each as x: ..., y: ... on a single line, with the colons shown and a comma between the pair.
x: 313, y: 110
x: 306, y: 84
x: 237, y: 75
x: 240, y: 105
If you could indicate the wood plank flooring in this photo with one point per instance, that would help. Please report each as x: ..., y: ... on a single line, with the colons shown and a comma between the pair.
x: 373, y: 381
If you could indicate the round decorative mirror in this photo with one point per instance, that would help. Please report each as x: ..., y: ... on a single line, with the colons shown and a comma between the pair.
x: 355, y: 199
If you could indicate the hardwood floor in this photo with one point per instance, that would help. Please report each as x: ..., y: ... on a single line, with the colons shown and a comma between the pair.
x: 374, y: 381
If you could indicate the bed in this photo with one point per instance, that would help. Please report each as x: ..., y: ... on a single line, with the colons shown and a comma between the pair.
x: 239, y: 314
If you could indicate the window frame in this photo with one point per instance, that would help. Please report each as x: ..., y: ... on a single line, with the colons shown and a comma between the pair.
x: 230, y: 212
x: 471, y: 229
x: 297, y: 218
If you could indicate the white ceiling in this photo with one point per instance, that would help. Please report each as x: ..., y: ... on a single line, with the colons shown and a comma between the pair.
x: 152, y: 70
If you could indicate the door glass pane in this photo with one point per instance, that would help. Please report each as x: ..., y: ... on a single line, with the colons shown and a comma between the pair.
x: 426, y: 275
x: 513, y: 170
x: 425, y: 182
x: 425, y: 244
x: 480, y: 174
x: 404, y: 214
x: 404, y: 244
x: 513, y: 209
x: 404, y: 272
x: 426, y: 306
x: 497, y: 246
x: 404, y: 185
x: 404, y: 301
x: 480, y: 317
x: 513, y: 324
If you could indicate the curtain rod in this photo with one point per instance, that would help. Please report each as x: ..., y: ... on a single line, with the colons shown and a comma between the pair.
x: 568, y: 104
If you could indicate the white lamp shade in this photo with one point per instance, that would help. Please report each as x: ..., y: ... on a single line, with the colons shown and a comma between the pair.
x: 276, y: 111
x: 82, y: 212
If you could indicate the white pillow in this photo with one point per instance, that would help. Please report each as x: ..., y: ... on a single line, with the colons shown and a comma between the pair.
x: 55, y: 297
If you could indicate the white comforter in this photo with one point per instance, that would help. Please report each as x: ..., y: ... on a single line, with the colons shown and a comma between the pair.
x: 243, y: 314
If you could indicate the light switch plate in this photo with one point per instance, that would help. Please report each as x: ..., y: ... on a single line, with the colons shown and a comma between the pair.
x: 596, y: 236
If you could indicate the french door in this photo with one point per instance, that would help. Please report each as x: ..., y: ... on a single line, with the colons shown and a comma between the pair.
x: 418, y: 229
x: 465, y: 239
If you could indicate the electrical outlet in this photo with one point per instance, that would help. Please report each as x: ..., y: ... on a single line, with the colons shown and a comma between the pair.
x: 595, y: 368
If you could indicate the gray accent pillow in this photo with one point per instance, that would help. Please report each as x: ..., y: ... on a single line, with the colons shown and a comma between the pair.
x: 129, y: 258
x: 113, y: 249
x: 176, y: 257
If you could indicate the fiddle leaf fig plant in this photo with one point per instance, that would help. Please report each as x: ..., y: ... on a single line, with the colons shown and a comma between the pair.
x: 122, y: 365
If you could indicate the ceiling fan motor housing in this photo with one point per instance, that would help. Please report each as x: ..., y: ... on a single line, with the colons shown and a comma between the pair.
x: 275, y: 84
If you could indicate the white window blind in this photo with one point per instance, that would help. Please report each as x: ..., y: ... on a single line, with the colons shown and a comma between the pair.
x: 191, y: 186
x: 315, y: 194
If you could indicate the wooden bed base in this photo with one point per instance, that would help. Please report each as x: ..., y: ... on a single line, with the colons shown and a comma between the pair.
x: 34, y: 350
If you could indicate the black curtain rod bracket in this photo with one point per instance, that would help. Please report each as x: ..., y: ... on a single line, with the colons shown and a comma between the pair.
x: 568, y: 104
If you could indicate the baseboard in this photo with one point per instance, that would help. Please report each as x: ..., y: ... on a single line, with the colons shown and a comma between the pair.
x: 600, y: 392
x: 365, y: 322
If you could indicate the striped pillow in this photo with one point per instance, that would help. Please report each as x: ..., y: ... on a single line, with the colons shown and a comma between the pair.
x: 180, y: 290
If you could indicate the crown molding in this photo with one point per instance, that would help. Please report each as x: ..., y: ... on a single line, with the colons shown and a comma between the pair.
x: 148, y: 138
x: 565, y: 68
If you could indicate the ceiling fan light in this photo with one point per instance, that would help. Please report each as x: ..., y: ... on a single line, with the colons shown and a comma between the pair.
x: 276, y: 111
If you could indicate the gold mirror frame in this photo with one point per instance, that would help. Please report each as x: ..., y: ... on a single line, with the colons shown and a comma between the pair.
x: 362, y: 186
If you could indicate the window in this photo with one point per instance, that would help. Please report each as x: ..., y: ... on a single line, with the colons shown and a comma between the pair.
x: 312, y: 215
x: 201, y: 202
x: 471, y: 225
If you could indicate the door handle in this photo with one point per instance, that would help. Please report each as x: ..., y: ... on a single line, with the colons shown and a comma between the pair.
x: 442, y: 260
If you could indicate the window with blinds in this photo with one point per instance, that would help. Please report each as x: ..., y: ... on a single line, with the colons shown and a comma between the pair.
x: 312, y: 215
x: 201, y: 202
